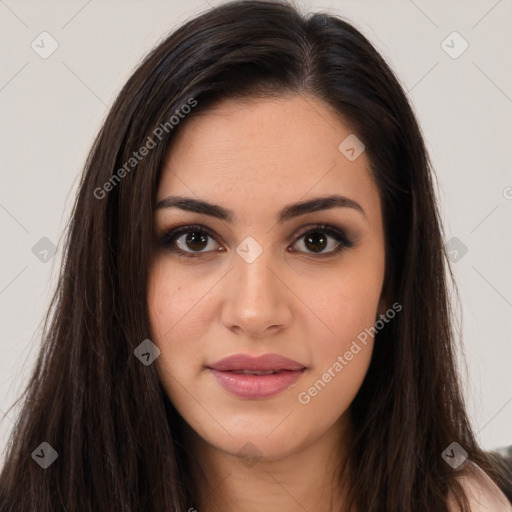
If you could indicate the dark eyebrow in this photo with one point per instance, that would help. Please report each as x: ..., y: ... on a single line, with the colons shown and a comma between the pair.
x: 288, y: 212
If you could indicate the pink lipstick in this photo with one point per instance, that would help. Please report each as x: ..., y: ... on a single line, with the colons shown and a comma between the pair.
x: 256, y: 377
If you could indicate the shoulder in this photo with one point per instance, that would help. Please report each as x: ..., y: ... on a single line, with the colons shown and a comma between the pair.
x: 482, y: 493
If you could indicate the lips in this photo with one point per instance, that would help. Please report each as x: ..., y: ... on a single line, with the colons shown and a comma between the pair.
x: 255, y: 372
x: 256, y: 377
x: 265, y: 363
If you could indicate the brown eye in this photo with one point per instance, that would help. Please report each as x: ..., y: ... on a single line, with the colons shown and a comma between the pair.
x: 188, y: 241
x: 195, y: 241
x: 315, y: 242
x: 318, y: 239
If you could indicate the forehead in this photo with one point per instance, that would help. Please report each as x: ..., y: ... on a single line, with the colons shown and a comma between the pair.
x: 265, y: 152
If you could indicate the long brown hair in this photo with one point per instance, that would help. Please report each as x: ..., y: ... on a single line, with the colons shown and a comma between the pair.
x: 115, y: 431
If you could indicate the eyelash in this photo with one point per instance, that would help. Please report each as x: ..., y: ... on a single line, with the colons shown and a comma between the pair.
x: 168, y: 239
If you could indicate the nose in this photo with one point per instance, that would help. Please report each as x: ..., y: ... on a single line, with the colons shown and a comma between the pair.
x: 256, y: 297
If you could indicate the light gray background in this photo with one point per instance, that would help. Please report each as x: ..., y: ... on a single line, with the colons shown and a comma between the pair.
x: 52, y: 108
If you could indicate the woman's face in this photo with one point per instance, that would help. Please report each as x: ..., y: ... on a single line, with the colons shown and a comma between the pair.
x: 257, y: 283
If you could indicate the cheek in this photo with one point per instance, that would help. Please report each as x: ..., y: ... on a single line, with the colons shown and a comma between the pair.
x: 341, y: 349
x: 340, y: 359
x: 178, y: 319
x: 176, y: 302
x: 345, y: 304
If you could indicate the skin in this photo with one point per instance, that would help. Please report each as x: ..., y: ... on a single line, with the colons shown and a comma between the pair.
x: 482, y: 493
x: 255, y: 157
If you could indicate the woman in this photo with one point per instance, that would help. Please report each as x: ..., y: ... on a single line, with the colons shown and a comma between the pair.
x: 253, y: 309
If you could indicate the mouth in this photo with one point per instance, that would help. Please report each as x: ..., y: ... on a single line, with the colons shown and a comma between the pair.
x: 262, y: 363
x: 255, y: 372
x: 256, y: 378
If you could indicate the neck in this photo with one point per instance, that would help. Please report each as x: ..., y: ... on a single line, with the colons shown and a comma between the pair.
x: 309, y: 478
